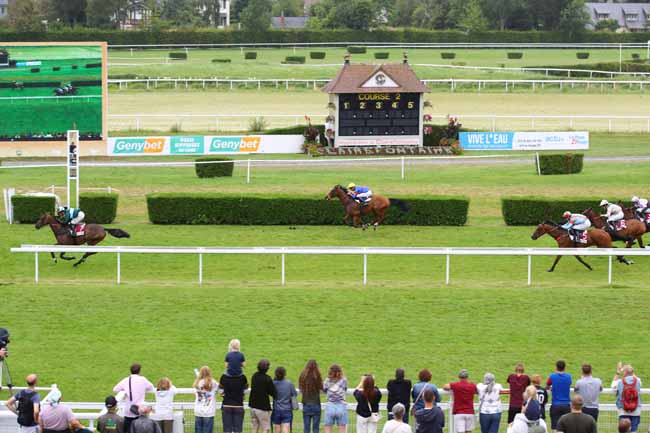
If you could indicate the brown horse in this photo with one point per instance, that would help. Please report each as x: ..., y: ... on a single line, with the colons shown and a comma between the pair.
x: 94, y: 234
x: 634, y: 230
x: 378, y: 206
x: 595, y: 237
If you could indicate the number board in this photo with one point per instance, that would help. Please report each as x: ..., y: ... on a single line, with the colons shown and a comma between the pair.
x: 366, y: 114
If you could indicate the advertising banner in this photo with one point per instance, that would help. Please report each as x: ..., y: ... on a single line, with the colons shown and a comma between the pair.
x: 524, y: 140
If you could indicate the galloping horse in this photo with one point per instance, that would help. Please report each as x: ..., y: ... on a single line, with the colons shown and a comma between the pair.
x: 95, y: 233
x: 378, y: 206
x: 596, y: 237
x: 634, y: 230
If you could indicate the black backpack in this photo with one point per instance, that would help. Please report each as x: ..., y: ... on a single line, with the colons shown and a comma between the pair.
x: 26, y: 409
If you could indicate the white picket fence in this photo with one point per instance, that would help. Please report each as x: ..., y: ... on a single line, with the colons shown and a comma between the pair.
x: 363, y: 252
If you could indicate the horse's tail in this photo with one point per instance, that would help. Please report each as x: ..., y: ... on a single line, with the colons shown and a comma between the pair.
x: 401, y: 204
x: 118, y: 233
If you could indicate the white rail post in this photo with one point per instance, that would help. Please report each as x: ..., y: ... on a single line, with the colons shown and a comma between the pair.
x: 119, y: 269
x: 529, y: 268
x: 402, y: 168
x: 609, y: 271
x: 539, y: 169
x: 620, y: 57
x: 200, y: 268
x: 447, y: 270
x: 365, y: 269
x: 248, y: 171
x: 36, y: 267
x: 283, y: 269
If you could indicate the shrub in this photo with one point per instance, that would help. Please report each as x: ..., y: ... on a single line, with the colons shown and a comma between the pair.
x: 295, y: 59
x: 382, y: 55
x: 75, y: 67
x: 560, y: 163
x: 178, y: 56
x: 515, y: 55
x: 317, y: 55
x: 99, y: 207
x: 34, y: 70
x: 354, y: 49
x: 459, y: 63
x: 257, y: 124
x: 582, y: 55
x: 526, y: 211
x: 250, y: 55
x: 29, y: 208
x: 93, y: 65
x: 448, y: 56
x: 220, y: 60
x: 636, y: 56
x: 56, y: 68
x: 204, y: 208
x: 223, y: 169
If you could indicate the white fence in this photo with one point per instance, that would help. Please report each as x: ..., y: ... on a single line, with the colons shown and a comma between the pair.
x: 362, y: 252
x: 510, y: 85
x: 217, y: 83
x: 472, y: 45
x: 592, y: 73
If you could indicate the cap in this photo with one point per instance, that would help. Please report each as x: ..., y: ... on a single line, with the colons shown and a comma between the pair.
x: 463, y: 374
x: 532, y: 410
x: 110, y: 401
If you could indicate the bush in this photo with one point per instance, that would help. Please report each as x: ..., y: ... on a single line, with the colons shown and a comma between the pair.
x: 527, y: 211
x: 223, y: 169
x: 29, y: 208
x: 99, y: 207
x: 220, y: 60
x: 250, y: 55
x: 56, y: 68
x: 636, y: 56
x: 382, y: 55
x: 75, y: 67
x: 459, y: 63
x: 515, y: 55
x: 317, y: 55
x: 95, y: 65
x: 583, y: 55
x: 295, y: 60
x: 178, y: 56
x: 356, y: 49
x: 204, y: 208
x: 448, y: 56
x: 34, y: 70
x: 626, y: 66
x: 560, y: 163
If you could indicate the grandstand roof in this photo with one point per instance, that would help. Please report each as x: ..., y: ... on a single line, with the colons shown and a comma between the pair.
x: 361, y: 78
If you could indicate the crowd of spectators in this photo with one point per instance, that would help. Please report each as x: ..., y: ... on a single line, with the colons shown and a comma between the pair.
x: 46, y: 136
x: 272, y: 402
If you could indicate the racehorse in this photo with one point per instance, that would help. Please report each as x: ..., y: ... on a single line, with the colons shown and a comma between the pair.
x: 378, y: 206
x: 635, y: 229
x: 94, y: 234
x: 596, y: 237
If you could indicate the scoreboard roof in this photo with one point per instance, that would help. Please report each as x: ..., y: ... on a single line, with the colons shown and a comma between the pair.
x: 364, y: 78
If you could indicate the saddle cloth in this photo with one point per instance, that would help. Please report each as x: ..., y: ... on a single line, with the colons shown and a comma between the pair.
x: 582, y: 239
x: 80, y: 229
x: 620, y: 225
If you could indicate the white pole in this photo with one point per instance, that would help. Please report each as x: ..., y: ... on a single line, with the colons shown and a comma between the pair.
x: 248, y: 171
x: 119, y: 271
x: 447, y: 270
x: 402, y: 168
x: 200, y: 268
x: 36, y: 267
x: 539, y: 169
x: 365, y: 269
x: 283, y: 270
x: 609, y: 271
x: 529, y: 270
x: 620, y: 58
x: 647, y: 54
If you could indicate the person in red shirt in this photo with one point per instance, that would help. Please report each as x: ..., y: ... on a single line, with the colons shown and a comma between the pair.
x: 518, y: 383
x: 463, y: 392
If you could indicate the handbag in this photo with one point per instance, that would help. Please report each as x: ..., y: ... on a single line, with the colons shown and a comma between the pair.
x: 374, y: 416
x: 412, y: 410
x: 294, y: 403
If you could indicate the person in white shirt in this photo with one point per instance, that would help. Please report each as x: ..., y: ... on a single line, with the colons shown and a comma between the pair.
x: 397, y: 424
x: 489, y: 406
x: 641, y: 207
x: 613, y: 212
x: 135, y: 387
x: 163, y: 410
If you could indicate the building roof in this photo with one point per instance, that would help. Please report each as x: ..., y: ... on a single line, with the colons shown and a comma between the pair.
x: 355, y: 78
x: 4, y: 2
x: 289, y: 22
x: 618, y: 12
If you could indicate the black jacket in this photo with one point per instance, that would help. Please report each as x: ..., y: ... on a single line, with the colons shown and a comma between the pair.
x: 261, y: 389
x: 399, y: 391
x: 233, y: 389
x: 362, y: 404
x: 430, y: 420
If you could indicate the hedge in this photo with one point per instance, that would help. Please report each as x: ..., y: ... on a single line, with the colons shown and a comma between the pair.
x: 221, y: 60
x: 382, y: 55
x: 560, y: 163
x: 205, y: 208
x: 29, y: 208
x: 528, y: 211
x: 626, y: 66
x: 317, y: 55
x: 515, y: 55
x: 99, y: 207
x: 295, y: 59
x: 582, y: 55
x: 356, y: 49
x: 34, y: 70
x: 448, y: 56
x: 250, y: 55
x: 222, y: 169
x: 178, y: 56
x: 297, y: 130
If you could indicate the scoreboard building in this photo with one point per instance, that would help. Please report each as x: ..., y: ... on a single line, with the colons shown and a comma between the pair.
x: 377, y: 105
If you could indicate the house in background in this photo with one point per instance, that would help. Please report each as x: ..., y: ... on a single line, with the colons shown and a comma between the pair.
x: 283, y: 22
x: 633, y: 17
x: 138, y: 14
x: 4, y: 5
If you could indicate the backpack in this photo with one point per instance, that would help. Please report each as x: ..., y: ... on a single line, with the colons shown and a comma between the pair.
x: 630, y: 396
x: 26, y: 409
x: 536, y: 427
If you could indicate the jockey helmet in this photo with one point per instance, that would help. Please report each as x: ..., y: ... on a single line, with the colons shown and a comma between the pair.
x: 351, y: 185
x: 566, y: 215
x: 60, y: 209
x: 604, y: 203
x: 635, y: 199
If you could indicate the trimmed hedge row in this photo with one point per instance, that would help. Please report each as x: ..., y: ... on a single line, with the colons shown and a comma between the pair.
x: 221, y: 60
x: 250, y: 55
x: 99, y: 207
x: 448, y: 56
x: 582, y: 55
x: 223, y: 169
x: 178, y: 56
x: 356, y: 50
x: 528, y: 211
x: 317, y: 54
x: 202, y: 208
x: 515, y: 55
x: 29, y: 208
x: 295, y: 59
x: 382, y: 55
x: 626, y: 66
x: 560, y: 163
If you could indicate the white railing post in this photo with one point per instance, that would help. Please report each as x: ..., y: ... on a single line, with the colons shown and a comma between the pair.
x: 609, y: 271
x: 539, y: 169
x: 36, y: 267
x: 447, y: 269
x: 283, y: 269
x: 402, y: 168
x: 529, y: 269
x: 119, y: 268
x: 200, y: 268
x: 248, y: 171
x: 365, y: 269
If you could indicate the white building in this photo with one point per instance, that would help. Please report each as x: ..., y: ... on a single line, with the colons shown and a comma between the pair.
x: 633, y: 17
x: 4, y: 5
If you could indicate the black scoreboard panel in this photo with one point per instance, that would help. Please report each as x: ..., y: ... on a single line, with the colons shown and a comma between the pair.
x: 366, y: 114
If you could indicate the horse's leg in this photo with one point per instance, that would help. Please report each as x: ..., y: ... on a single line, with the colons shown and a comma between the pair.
x: 64, y: 257
x: 83, y: 259
x: 557, y: 259
x: 53, y: 257
x: 578, y: 258
x: 640, y: 241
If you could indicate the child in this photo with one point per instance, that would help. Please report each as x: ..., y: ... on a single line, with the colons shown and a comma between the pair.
x: 205, y: 404
x: 163, y: 411
x: 542, y: 394
x: 235, y: 360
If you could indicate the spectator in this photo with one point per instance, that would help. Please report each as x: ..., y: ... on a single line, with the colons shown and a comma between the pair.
x: 329, y: 130
x: 529, y: 421
x: 310, y: 384
x: 399, y: 391
x: 430, y: 418
x: 560, y: 385
x: 110, y: 422
x: 261, y: 389
x: 235, y: 360
x: 517, y: 381
x: 205, y: 402
x: 628, y: 395
x: 135, y: 388
x: 396, y: 424
x: 232, y: 408
x: 282, y: 415
x: 542, y: 394
x: 624, y: 425
x: 489, y: 406
x: 57, y: 417
x: 26, y: 404
x: 368, y: 397
x: 336, y: 409
x: 144, y: 424
x: 424, y: 376
x: 163, y: 412
x: 589, y: 388
x: 463, y: 409
x: 576, y: 421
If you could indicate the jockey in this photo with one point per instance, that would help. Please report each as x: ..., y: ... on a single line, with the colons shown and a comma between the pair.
x: 71, y: 216
x: 614, y: 213
x: 576, y: 224
x: 641, y: 207
x: 361, y: 194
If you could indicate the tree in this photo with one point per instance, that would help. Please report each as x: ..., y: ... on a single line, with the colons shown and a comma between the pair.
x: 25, y: 15
x: 607, y: 25
x: 210, y: 11
x: 573, y: 18
x: 402, y: 14
x: 499, y: 12
x: 257, y: 15
x: 237, y: 6
x: 288, y: 8
x: 545, y: 14
x: 472, y: 18
x: 428, y: 14
x: 101, y: 13
x: 180, y: 12
x: 68, y: 12
x: 353, y: 14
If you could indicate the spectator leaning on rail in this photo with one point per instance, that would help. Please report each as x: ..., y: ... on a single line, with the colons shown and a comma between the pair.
x: 163, y: 411
x: 26, y: 404
x: 628, y: 395
x: 134, y: 387
x: 576, y: 421
x: 589, y: 388
x: 232, y: 408
x: 517, y: 381
x: 399, y: 391
x: 489, y: 404
x: 430, y: 419
x: 542, y: 394
x: 282, y: 414
x: 529, y: 421
x: 144, y: 424
x: 110, y: 422
x: 205, y: 402
x: 560, y: 385
x: 57, y: 417
x: 262, y: 389
x: 368, y: 397
x: 396, y: 424
x: 424, y: 376
x: 463, y: 409
x: 310, y: 384
x: 336, y: 409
